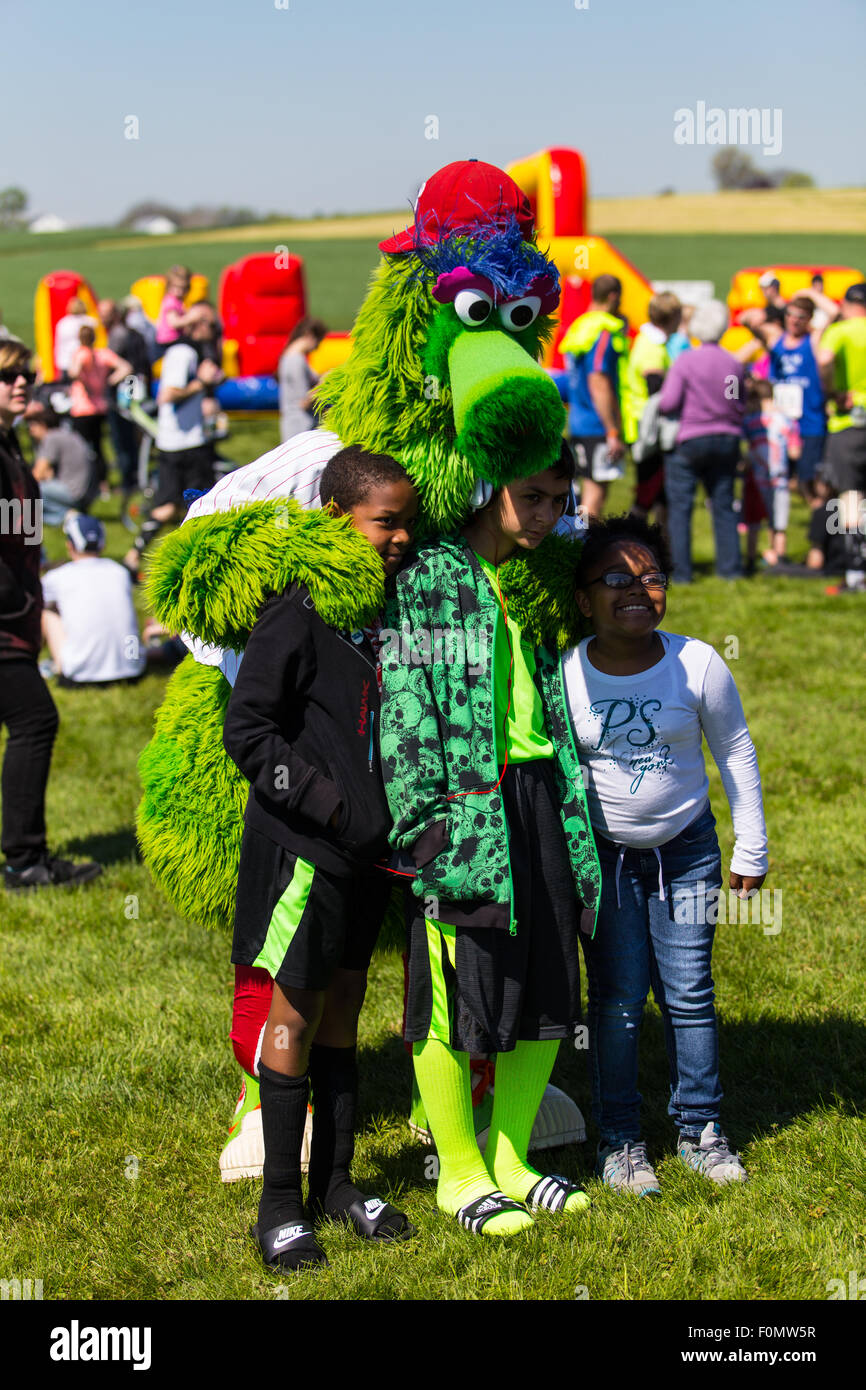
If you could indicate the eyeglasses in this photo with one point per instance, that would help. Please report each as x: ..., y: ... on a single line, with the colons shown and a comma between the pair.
x: 616, y: 579
x: 9, y: 376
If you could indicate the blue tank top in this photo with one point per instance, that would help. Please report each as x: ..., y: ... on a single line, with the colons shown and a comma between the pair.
x: 797, y: 365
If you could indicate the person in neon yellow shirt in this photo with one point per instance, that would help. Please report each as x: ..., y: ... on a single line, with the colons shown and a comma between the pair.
x: 648, y: 360
x: 842, y: 363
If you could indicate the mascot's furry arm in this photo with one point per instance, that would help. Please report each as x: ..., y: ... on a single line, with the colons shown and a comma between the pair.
x: 210, y: 578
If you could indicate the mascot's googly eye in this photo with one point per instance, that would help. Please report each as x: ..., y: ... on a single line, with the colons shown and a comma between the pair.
x: 520, y: 313
x: 473, y: 306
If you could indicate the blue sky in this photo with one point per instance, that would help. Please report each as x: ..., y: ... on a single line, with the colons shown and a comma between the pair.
x: 323, y: 106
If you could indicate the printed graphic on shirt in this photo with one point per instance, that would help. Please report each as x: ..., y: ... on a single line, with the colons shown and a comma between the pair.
x: 627, y: 733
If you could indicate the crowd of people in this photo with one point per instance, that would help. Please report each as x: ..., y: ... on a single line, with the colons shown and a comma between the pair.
x: 785, y: 411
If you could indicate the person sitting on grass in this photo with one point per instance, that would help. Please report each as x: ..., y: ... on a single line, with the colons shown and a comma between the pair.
x: 829, y: 531
x: 89, y: 622
x: 640, y: 700
x: 64, y: 464
x: 490, y: 805
x: 301, y: 725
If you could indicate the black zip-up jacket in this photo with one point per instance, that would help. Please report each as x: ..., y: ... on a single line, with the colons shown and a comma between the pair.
x: 302, y: 726
x: 20, y: 586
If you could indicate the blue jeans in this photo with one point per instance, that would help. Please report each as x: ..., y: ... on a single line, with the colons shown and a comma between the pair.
x: 666, y: 943
x: 712, y: 460
x: 57, y: 500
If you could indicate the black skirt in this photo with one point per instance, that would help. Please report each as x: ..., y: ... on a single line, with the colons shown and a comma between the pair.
x: 483, y: 989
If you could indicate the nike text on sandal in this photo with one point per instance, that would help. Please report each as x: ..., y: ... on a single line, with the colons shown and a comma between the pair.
x: 292, y: 1246
x: 552, y: 1193
x: 377, y: 1220
x: 476, y: 1214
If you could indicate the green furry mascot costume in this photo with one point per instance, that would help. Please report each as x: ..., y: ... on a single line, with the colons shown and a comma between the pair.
x: 443, y: 376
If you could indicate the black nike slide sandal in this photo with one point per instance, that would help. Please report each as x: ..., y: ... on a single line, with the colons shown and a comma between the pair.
x: 374, y: 1219
x: 292, y: 1246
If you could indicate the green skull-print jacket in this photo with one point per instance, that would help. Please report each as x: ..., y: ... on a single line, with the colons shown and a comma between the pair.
x: 437, y: 740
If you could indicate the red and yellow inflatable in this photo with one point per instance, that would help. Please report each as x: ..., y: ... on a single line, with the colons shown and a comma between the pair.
x: 53, y: 294
x: 556, y: 184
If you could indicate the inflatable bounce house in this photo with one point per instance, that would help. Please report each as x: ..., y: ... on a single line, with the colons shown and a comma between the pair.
x: 746, y: 292
x: 261, y: 298
x: 53, y: 294
x: 556, y: 184
x: 151, y: 288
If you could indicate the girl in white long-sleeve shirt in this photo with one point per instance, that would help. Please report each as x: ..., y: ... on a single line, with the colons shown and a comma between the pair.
x: 640, y: 701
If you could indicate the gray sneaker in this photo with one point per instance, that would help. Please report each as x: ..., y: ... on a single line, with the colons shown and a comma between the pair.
x: 711, y: 1156
x: 627, y: 1169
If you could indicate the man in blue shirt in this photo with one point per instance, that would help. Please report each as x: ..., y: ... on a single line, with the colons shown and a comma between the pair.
x: 594, y: 348
x: 793, y: 364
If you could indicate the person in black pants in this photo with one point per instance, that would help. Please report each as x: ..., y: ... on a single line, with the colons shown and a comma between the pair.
x: 123, y: 431
x: 26, y: 706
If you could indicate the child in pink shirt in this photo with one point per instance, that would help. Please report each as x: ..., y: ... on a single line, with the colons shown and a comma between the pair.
x: 172, y: 317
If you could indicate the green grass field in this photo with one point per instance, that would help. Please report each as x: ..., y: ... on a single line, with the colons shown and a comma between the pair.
x: 114, y: 1016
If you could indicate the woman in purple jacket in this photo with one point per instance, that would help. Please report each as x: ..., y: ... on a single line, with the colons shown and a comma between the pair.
x: 705, y: 388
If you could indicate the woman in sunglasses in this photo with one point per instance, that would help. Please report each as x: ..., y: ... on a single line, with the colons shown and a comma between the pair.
x: 640, y: 700
x: 26, y: 706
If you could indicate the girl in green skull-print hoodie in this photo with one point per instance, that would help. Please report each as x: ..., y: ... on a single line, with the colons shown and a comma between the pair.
x: 486, y: 792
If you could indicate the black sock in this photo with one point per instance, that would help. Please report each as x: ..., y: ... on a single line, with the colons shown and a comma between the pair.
x: 334, y: 1077
x: 284, y: 1114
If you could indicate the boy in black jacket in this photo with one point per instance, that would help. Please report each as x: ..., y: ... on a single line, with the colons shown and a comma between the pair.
x: 302, y: 726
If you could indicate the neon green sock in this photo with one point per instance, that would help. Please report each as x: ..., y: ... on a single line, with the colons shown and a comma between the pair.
x: 521, y: 1077
x: 444, y: 1083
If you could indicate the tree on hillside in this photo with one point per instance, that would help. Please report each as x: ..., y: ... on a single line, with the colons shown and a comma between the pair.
x: 195, y: 218
x: 733, y: 168
x: 793, y: 178
x: 224, y: 216
x: 149, y: 208
x: 13, y: 205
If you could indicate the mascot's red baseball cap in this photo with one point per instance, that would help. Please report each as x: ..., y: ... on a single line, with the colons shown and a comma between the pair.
x: 460, y: 196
